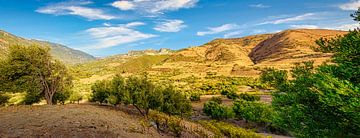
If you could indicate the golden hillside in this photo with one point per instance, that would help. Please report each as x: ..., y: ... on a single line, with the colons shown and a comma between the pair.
x: 245, y: 56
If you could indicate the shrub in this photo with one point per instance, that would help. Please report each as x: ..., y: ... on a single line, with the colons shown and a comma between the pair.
x: 61, y: 97
x: 248, y: 97
x: 228, y: 88
x: 195, y: 97
x: 216, y: 99
x: 31, y: 98
x: 3, y: 99
x: 217, y: 111
x: 232, y: 95
x: 75, y: 97
x: 165, y: 123
x: 222, y: 129
x: 253, y: 111
x: 175, y: 103
x: 100, y: 91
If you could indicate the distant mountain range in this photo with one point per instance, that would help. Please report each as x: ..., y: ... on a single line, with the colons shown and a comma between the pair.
x: 58, y: 51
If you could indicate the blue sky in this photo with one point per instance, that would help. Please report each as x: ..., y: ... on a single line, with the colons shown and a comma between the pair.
x: 108, y: 27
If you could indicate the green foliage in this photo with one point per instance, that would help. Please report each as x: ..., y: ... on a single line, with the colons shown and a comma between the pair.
x: 165, y: 123
x: 4, y: 99
x: 142, y: 94
x: 217, y: 111
x: 61, y: 97
x: 222, y: 129
x: 248, y: 97
x: 32, y: 69
x: 216, y: 99
x: 356, y: 15
x: 100, y: 91
x: 75, y: 97
x: 317, y: 104
x: 346, y: 50
x: 273, y: 77
x: 195, y: 97
x: 31, y: 98
x: 253, y: 111
x: 174, y: 103
x: 232, y: 95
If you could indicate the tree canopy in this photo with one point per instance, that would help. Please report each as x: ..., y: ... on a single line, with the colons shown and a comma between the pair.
x: 31, y: 69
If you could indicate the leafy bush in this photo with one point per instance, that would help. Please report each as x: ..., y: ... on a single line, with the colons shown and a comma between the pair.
x: 216, y: 99
x: 253, y: 111
x: 217, y: 111
x: 232, y: 95
x: 165, y: 123
x: 222, y: 129
x: 100, y: 91
x: 3, y: 99
x: 317, y: 104
x: 248, y: 97
x: 273, y: 77
x: 195, y: 97
x: 31, y: 98
x: 228, y: 88
x: 61, y: 97
x: 142, y: 94
x: 75, y: 97
x: 175, y: 103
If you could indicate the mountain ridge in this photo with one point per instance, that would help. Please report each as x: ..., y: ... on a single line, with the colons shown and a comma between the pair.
x: 58, y: 51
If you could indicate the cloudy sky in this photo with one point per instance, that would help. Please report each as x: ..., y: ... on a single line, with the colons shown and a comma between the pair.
x: 108, y: 27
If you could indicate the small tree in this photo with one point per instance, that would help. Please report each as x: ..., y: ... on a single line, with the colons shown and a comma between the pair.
x: 100, y: 91
x: 32, y: 69
x: 142, y: 95
x: 175, y: 103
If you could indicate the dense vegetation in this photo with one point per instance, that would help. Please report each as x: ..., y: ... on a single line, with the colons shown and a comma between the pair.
x: 323, y: 101
x: 142, y: 94
x: 32, y: 70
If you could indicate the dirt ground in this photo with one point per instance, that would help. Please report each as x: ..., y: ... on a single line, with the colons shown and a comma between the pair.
x: 71, y: 120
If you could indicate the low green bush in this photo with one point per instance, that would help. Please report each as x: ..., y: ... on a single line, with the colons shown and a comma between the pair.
x: 216, y: 99
x: 232, y: 95
x: 248, y: 97
x: 31, y: 98
x: 218, y: 111
x: 254, y: 111
x: 195, y: 97
x: 165, y: 123
x: 222, y: 129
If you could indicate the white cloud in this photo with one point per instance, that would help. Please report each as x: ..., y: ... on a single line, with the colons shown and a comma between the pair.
x: 106, y: 24
x: 134, y: 24
x: 170, y: 26
x: 350, y: 6
x: 110, y: 36
x: 75, y: 8
x: 219, y: 29
x: 345, y: 27
x: 154, y: 7
x: 232, y: 34
x: 305, y: 26
x: 123, y: 5
x: 259, y: 6
x: 302, y: 17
